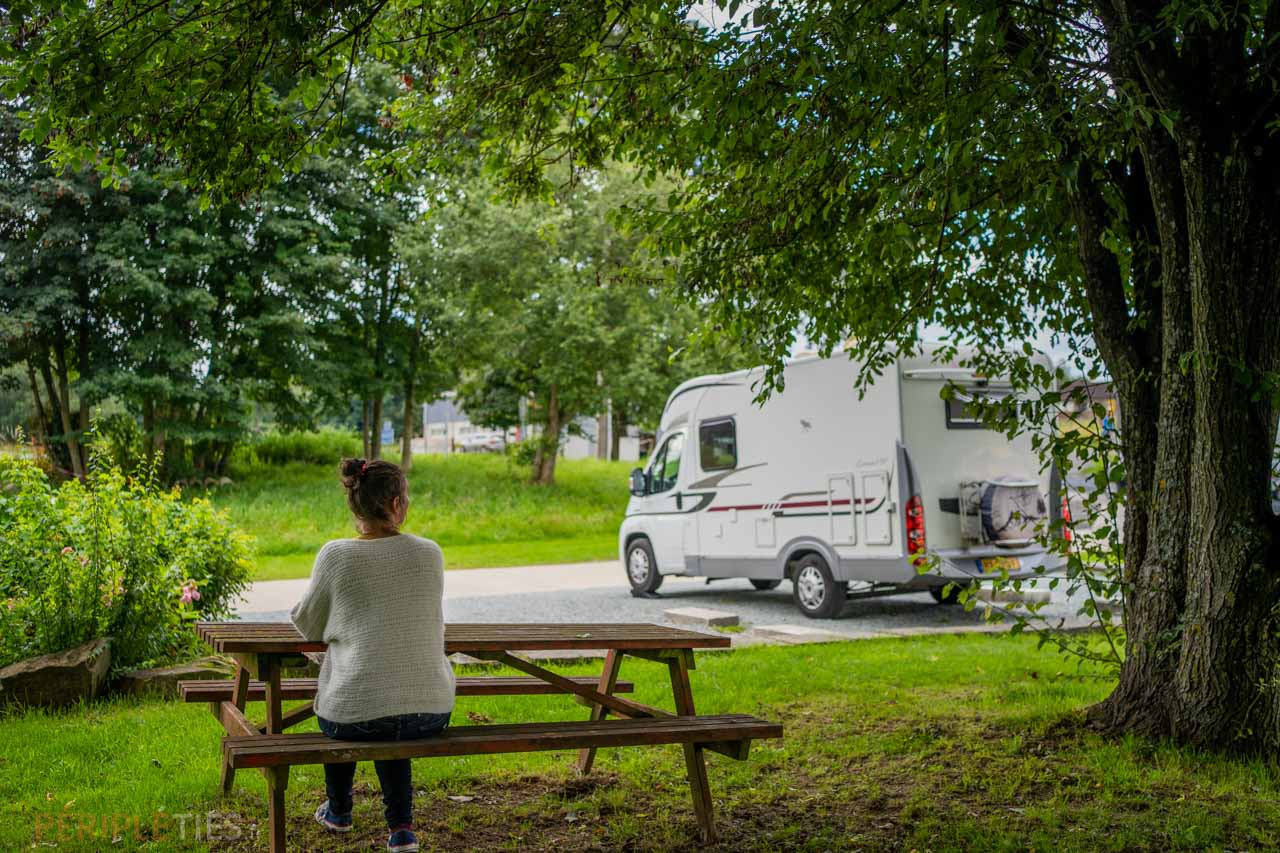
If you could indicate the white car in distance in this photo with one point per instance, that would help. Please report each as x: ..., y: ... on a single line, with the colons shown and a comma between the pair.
x: 482, y: 442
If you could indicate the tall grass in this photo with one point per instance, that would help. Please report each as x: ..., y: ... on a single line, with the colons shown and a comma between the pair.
x: 480, y: 508
x: 324, y: 447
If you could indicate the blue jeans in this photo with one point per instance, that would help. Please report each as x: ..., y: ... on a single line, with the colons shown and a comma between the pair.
x: 394, y: 775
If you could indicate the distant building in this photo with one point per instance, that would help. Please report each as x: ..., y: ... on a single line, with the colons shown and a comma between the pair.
x: 447, y: 429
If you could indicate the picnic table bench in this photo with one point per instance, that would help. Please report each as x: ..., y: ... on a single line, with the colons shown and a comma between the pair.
x: 263, y: 649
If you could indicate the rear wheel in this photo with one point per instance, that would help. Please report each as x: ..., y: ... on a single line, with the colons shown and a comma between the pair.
x: 764, y: 585
x: 949, y: 594
x: 815, y: 591
x: 642, y: 568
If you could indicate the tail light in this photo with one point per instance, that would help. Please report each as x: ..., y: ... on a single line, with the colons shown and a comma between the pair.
x: 915, y: 529
x: 1066, y: 519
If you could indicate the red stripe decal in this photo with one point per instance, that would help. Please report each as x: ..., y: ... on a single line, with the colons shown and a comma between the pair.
x: 789, y: 505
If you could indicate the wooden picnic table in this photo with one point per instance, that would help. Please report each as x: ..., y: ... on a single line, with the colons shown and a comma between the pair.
x: 263, y: 649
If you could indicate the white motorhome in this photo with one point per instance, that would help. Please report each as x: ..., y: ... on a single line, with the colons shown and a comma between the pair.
x: 821, y: 487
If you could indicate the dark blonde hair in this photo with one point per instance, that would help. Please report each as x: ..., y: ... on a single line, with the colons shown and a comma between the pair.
x: 372, y: 486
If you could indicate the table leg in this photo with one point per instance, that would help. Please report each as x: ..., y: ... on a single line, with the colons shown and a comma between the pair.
x: 239, y: 699
x: 269, y: 669
x: 277, y: 782
x: 694, y: 760
x: 608, y: 680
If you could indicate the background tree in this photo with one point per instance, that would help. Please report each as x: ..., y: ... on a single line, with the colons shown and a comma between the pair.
x: 369, y: 308
x: 52, y: 222
x: 446, y: 321
x: 544, y: 310
x: 135, y: 293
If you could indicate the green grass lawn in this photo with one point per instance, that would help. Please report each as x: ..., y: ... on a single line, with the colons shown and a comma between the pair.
x: 971, y: 742
x: 479, y: 508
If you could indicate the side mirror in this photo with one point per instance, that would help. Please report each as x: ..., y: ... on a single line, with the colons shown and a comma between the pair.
x: 639, y: 483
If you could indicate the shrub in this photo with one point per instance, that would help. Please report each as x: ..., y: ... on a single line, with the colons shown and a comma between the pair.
x: 114, y: 556
x: 325, y: 447
x: 522, y: 452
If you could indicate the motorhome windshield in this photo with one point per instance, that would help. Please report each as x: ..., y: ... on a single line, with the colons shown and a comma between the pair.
x: 666, y: 464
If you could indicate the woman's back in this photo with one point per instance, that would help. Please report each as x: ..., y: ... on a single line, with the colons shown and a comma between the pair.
x: 378, y: 604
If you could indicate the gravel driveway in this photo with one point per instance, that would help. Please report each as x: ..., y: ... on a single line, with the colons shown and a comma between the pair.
x: 597, y: 592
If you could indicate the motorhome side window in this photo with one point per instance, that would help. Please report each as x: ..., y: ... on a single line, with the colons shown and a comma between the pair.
x: 718, y: 444
x: 666, y: 464
x: 964, y: 410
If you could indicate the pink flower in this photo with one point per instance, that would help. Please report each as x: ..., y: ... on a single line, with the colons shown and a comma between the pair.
x: 84, y: 561
x: 190, y: 593
x: 10, y: 604
x: 68, y: 550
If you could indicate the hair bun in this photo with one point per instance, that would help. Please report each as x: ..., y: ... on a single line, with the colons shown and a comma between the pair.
x: 350, y: 469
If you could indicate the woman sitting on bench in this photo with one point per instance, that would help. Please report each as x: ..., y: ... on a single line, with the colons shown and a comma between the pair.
x: 377, y: 601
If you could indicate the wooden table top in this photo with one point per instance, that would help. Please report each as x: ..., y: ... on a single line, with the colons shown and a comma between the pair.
x: 465, y: 637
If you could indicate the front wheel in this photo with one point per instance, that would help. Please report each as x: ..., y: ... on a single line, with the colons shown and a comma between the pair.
x: 765, y: 585
x: 815, y: 590
x: 642, y: 568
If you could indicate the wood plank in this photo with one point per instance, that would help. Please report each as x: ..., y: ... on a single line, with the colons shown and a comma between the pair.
x: 289, y: 749
x: 282, y: 637
x: 608, y: 684
x: 239, y: 691
x: 277, y: 782
x: 694, y: 760
x: 553, y: 678
x: 293, y: 717
x: 707, y: 721
x: 271, y: 678
x: 305, y: 688
x: 234, y: 722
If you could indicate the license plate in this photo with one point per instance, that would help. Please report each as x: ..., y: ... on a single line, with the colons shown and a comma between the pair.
x: 1000, y: 564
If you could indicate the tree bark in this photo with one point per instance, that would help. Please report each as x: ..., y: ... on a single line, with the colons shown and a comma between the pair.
x: 1226, y: 677
x: 82, y: 363
x: 55, y: 412
x: 375, y: 431
x: 365, y: 445
x: 42, y: 418
x: 544, y: 461
x: 615, y: 440
x: 406, y: 427
x: 1158, y: 456
x: 410, y: 386
x: 64, y: 407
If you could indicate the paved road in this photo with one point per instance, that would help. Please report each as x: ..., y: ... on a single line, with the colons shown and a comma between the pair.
x: 597, y: 592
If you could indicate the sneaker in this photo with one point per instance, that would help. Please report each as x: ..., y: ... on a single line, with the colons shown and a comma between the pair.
x: 402, y: 841
x: 331, y: 821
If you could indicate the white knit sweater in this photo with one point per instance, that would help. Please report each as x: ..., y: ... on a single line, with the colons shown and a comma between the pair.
x: 378, y: 603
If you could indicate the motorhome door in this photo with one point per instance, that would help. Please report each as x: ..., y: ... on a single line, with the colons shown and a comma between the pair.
x: 669, y: 523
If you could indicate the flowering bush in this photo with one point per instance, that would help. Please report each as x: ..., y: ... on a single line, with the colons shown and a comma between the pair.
x: 113, y: 556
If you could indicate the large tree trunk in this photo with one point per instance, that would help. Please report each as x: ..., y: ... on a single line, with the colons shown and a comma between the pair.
x: 1225, y: 684
x: 1157, y: 438
x: 1202, y: 586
